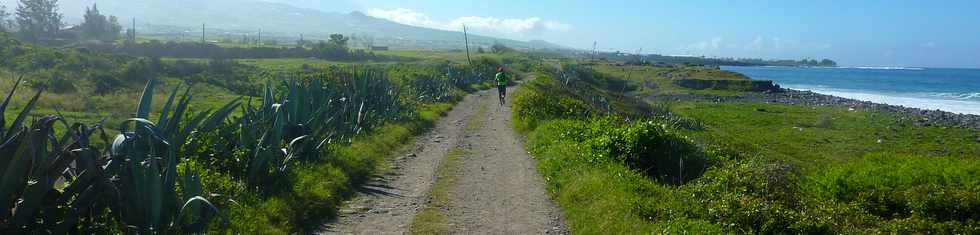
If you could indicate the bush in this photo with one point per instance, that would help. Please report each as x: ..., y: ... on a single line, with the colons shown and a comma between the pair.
x: 896, y: 187
x: 754, y: 196
x: 649, y: 147
x: 535, y: 102
x: 137, y: 71
x: 54, y: 81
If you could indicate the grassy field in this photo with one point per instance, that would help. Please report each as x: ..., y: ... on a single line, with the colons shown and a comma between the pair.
x: 659, y: 80
x: 816, y: 136
x: 84, y: 106
x: 709, y: 168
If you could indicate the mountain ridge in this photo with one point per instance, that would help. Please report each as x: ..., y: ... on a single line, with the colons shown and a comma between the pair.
x: 283, y: 20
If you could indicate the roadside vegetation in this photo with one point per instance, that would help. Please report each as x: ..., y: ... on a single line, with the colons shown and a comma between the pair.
x: 103, y: 143
x: 110, y: 133
x: 708, y: 167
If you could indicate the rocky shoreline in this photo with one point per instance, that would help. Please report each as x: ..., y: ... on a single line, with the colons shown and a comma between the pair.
x: 921, y: 117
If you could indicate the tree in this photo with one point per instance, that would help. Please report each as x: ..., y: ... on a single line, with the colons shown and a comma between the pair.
x: 38, y: 19
x: 499, y: 48
x: 130, y: 36
x: 97, y: 26
x: 828, y: 63
x: 338, y: 40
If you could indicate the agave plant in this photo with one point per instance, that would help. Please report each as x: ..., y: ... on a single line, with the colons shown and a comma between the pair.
x: 431, y: 89
x: 372, y: 99
x: 144, y: 157
x: 33, y: 161
x: 299, y: 119
x: 25, y: 164
x: 307, y: 115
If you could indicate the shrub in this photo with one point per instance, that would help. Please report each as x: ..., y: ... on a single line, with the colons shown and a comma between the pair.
x: 54, y: 81
x: 535, y: 102
x: 650, y: 147
x: 900, y: 187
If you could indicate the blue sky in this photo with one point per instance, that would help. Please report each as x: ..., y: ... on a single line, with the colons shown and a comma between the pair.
x: 856, y: 33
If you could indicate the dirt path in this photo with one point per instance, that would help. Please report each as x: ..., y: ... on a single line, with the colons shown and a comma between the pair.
x: 496, y: 188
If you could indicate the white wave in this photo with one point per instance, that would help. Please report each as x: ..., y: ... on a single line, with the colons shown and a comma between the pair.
x: 954, y: 106
x: 883, y: 68
x: 958, y: 95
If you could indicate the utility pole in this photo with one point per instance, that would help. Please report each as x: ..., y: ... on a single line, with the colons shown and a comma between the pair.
x: 466, y: 41
x: 133, y: 37
x: 595, y: 51
x: 203, y: 34
x: 259, y: 42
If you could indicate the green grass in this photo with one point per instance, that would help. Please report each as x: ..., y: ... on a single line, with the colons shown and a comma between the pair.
x: 297, y: 64
x: 770, y: 169
x: 293, y: 197
x: 83, y: 106
x: 653, y: 80
x: 432, y: 219
x: 319, y: 188
x: 814, y: 136
x: 600, y: 197
x: 457, y: 56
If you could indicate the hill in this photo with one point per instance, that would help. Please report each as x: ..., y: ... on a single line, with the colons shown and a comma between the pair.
x: 278, y: 19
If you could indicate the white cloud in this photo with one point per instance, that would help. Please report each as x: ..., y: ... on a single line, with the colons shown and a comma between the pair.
x: 513, y: 27
x: 404, y: 16
x: 712, y: 44
x: 761, y: 43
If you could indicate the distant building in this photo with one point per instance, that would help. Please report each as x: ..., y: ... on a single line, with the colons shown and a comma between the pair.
x: 377, y: 48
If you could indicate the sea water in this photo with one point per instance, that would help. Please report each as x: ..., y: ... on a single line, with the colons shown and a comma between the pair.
x: 953, y: 90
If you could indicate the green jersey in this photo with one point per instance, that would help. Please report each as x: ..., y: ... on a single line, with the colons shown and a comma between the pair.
x: 501, y: 79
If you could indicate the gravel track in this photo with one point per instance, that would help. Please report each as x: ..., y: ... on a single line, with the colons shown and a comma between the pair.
x: 497, y: 188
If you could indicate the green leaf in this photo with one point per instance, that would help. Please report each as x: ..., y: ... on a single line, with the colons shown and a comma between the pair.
x: 24, y: 112
x: 41, y: 179
x: 220, y: 115
x: 146, y: 100
x: 166, y: 107
x: 14, y: 178
x: 186, y: 208
x: 3, y: 108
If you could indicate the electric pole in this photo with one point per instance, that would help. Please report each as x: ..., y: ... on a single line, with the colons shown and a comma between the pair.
x: 595, y: 48
x: 133, y: 37
x: 466, y: 41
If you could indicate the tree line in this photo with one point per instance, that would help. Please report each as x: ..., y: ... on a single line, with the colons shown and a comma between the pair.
x: 38, y: 21
x: 335, y: 48
x: 667, y: 60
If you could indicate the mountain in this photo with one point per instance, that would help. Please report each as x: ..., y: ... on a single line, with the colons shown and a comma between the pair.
x: 279, y: 19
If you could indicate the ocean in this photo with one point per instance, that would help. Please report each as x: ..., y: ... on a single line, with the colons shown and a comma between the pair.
x: 952, y: 90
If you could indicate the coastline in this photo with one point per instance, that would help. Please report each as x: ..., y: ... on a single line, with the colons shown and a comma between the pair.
x: 922, y: 117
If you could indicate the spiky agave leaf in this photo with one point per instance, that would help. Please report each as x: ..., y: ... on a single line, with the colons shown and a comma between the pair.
x: 143, y: 109
x: 3, y: 109
x: 45, y: 166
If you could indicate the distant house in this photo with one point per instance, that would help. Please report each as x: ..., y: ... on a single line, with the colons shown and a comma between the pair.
x: 377, y: 48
